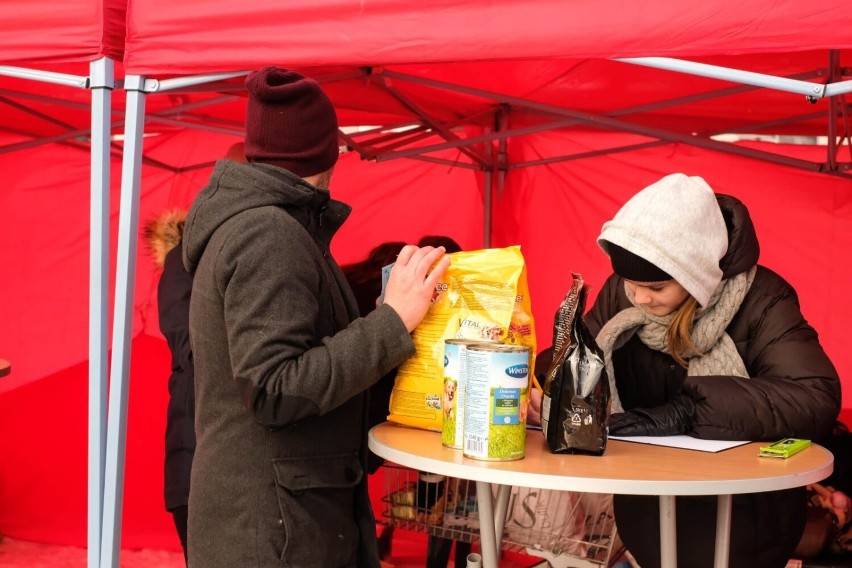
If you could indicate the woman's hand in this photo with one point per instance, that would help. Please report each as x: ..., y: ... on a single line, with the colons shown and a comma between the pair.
x: 669, y: 419
x: 534, y: 410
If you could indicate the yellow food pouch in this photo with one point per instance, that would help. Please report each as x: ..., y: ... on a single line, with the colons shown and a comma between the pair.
x: 484, y: 295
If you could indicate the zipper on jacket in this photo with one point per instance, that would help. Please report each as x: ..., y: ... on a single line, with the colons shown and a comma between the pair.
x: 321, y: 212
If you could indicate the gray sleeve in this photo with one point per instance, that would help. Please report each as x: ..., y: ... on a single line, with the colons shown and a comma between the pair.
x: 285, y: 372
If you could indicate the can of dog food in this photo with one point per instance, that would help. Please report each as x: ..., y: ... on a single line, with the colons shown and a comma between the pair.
x: 452, y: 398
x: 496, y: 398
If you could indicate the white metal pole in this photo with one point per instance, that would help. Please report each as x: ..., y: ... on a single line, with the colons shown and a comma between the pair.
x: 45, y: 76
x: 487, y: 536
x: 101, y: 72
x: 815, y: 90
x: 123, y: 320
x: 501, y: 509
x: 668, y: 532
x: 723, y: 532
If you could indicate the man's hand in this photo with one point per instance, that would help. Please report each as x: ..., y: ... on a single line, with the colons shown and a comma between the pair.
x: 412, y: 282
x: 670, y: 419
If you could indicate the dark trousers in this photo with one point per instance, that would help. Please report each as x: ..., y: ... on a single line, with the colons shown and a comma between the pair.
x: 438, y: 552
x: 180, y: 516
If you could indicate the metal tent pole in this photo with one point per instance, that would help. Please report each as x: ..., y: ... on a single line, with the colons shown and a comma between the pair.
x: 833, y: 111
x: 101, y: 72
x: 487, y: 196
x: 486, y: 209
x: 102, y: 84
x: 45, y: 76
x: 815, y: 90
x: 136, y: 87
x: 603, y: 121
x: 125, y: 275
x: 502, y: 122
x: 101, y: 81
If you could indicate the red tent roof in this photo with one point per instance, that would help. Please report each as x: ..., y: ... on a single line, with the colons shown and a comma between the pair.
x: 164, y: 38
x: 51, y: 31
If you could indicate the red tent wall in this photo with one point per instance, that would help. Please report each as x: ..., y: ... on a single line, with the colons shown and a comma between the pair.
x: 45, y: 250
x: 804, y: 222
x: 554, y: 212
x: 44, y: 332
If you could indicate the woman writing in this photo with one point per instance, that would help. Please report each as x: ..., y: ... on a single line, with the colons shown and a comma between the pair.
x: 701, y: 340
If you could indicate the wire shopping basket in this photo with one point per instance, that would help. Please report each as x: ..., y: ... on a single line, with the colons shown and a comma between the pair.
x: 566, y: 528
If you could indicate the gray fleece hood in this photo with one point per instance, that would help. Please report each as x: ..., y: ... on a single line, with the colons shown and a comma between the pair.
x: 236, y: 187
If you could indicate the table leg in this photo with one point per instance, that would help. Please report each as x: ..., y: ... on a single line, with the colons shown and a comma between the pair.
x: 668, y: 532
x: 723, y: 532
x: 487, y: 533
x: 501, y: 508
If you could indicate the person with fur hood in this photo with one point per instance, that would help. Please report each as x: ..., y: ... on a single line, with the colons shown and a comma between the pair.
x: 701, y: 340
x: 163, y: 236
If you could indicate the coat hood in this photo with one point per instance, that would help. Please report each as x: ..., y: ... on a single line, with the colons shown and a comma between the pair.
x: 163, y: 233
x: 237, y: 187
x: 743, y: 247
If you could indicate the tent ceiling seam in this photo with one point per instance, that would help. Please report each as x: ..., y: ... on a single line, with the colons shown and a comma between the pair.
x: 600, y: 121
x: 430, y: 122
x: 371, y: 150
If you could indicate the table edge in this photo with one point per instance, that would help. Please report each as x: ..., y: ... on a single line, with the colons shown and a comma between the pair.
x: 479, y: 471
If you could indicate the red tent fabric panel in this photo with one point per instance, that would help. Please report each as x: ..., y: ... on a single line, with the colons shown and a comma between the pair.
x: 57, y: 30
x: 45, y: 331
x: 47, y: 247
x: 403, y: 200
x: 554, y: 212
x: 43, y: 481
x: 161, y: 39
x: 803, y: 220
x: 44, y: 244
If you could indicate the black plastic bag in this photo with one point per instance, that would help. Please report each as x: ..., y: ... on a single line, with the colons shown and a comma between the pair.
x: 576, y: 390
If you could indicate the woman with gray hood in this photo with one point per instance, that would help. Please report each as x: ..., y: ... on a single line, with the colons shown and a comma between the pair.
x: 701, y: 340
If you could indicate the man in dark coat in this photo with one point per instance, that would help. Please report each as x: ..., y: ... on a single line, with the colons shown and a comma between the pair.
x: 750, y: 368
x: 282, y: 360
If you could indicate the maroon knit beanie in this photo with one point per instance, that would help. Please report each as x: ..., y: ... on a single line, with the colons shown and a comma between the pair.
x: 290, y: 122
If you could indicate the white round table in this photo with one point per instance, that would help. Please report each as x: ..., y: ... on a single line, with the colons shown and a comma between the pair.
x: 625, y: 468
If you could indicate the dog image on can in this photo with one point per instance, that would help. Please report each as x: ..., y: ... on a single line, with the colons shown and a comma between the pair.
x: 450, y: 387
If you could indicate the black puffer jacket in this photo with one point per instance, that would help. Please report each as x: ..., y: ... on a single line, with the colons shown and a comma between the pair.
x: 793, y: 390
x: 163, y: 236
x: 173, y: 300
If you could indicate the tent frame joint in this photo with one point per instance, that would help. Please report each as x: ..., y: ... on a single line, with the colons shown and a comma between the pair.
x: 102, y: 74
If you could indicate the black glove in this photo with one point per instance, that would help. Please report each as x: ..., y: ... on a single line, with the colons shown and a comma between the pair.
x: 670, y: 419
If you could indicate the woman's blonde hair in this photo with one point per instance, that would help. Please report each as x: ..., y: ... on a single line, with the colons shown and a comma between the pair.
x: 679, y: 333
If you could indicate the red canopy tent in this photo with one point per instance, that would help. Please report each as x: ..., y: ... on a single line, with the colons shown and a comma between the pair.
x: 68, y: 51
x: 496, y: 123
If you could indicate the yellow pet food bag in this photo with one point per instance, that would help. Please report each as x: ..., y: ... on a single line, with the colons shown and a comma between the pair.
x: 483, y: 295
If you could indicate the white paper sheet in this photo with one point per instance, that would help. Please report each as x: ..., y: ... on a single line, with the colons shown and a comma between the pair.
x: 685, y: 442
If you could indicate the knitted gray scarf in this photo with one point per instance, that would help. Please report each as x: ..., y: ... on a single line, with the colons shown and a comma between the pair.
x: 715, y: 353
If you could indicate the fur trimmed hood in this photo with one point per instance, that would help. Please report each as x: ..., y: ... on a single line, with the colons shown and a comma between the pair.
x: 163, y: 233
